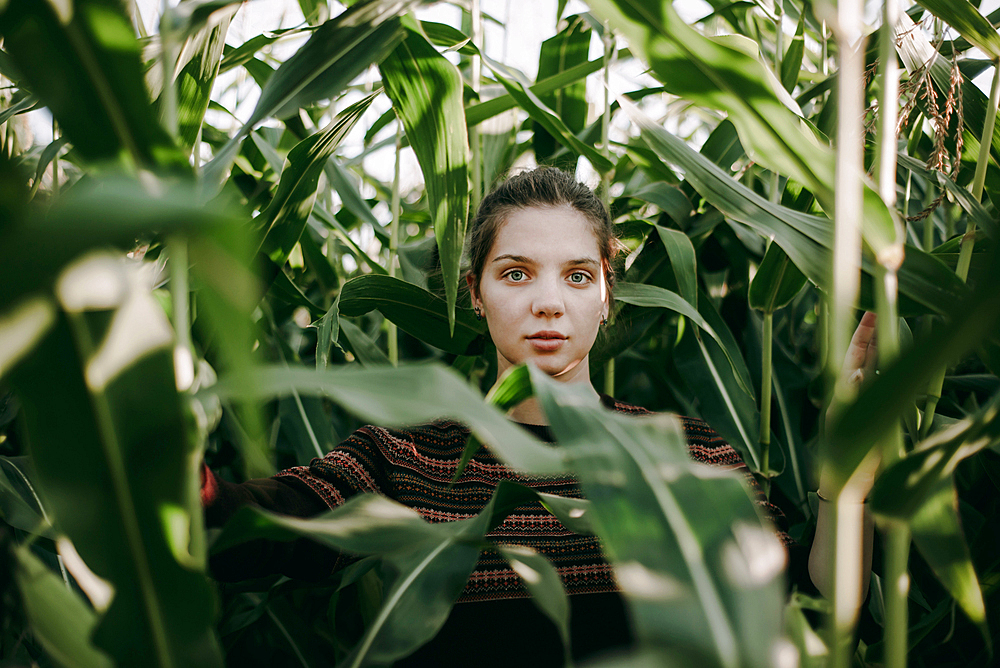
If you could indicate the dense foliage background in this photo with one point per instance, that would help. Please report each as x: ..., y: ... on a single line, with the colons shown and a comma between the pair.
x: 180, y: 281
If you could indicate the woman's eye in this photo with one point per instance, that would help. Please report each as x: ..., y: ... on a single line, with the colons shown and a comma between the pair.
x: 578, y: 277
x: 516, y: 275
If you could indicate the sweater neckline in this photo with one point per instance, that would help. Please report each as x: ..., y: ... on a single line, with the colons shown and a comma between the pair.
x: 543, y: 432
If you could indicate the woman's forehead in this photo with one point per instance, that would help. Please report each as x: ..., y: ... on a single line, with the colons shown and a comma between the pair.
x: 546, y: 233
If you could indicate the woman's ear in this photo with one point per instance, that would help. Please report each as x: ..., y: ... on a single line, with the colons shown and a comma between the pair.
x: 474, y: 296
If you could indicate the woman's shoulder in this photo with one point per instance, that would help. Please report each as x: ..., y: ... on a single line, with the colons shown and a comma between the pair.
x: 704, y: 443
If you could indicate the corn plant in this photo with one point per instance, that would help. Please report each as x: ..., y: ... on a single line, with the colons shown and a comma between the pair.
x: 186, y: 282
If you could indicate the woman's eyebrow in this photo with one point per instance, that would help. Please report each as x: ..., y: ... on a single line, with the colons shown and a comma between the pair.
x: 512, y: 258
x: 583, y: 261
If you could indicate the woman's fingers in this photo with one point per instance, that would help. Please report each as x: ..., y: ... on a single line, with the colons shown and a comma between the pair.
x: 862, y: 353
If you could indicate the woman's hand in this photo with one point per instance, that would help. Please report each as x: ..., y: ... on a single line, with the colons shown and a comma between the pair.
x: 859, y: 367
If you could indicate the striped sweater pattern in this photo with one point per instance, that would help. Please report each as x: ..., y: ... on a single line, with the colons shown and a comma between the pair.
x: 415, y: 466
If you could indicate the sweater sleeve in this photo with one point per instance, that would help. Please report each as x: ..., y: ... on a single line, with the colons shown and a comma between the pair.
x: 706, y: 446
x: 353, y: 467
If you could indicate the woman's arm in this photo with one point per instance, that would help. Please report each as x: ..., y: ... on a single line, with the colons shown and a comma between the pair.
x: 859, y: 365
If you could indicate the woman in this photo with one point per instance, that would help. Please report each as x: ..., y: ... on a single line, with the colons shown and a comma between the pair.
x: 541, y: 250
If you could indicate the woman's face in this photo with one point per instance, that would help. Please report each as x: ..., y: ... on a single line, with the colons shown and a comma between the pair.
x: 543, y: 291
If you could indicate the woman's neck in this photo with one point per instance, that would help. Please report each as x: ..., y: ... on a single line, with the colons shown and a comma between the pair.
x: 530, y: 412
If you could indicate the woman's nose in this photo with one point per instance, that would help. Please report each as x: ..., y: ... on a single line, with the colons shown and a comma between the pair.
x: 548, y: 300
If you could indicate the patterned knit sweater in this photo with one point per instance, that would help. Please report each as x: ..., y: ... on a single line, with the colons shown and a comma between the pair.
x: 415, y: 466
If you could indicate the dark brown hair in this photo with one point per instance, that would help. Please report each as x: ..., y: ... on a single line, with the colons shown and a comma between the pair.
x: 541, y: 187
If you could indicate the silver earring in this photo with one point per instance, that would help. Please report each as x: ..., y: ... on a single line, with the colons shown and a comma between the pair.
x: 479, y: 313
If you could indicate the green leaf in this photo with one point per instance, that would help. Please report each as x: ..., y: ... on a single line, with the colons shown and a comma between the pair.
x: 20, y: 107
x: 328, y: 331
x: 567, y: 49
x: 776, y: 282
x: 681, y: 539
x: 723, y: 403
x: 104, y: 380
x: 901, y: 490
x: 19, y: 501
x: 807, y: 239
x: 83, y: 62
x: 881, y: 404
x: 542, y: 580
x: 336, y: 52
x: 791, y: 62
x: 431, y: 562
x: 403, y: 396
x: 937, y: 533
x: 963, y: 16
x: 670, y: 199
x: 426, y: 92
x: 725, y: 73
x: 682, y: 262
x: 365, y: 350
x: 414, y: 310
x: 287, y: 214
x: 651, y: 296
x: 59, y: 619
x: 196, y: 79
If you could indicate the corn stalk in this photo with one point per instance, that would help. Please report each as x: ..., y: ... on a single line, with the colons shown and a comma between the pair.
x: 847, y: 516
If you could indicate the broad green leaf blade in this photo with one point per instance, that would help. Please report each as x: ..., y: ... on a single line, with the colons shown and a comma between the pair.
x: 884, y: 402
x: 651, y: 296
x: 337, y: 51
x: 343, y: 235
x: 426, y: 92
x: 807, y: 239
x: 937, y: 533
x: 668, y: 198
x: 791, y: 62
x: 725, y: 73
x: 23, y: 106
x: 722, y: 402
x: 567, y: 49
x: 682, y: 261
x: 19, y: 502
x: 404, y: 396
x: 414, y: 310
x: 542, y: 580
x: 287, y: 214
x: 196, y: 79
x: 776, y: 282
x: 901, y: 491
x: 510, y: 389
x: 59, y: 619
x: 683, y: 566
x: 328, y: 332
x: 963, y: 16
x: 83, y: 62
x: 113, y: 394
x: 22, y: 327
x: 364, y: 349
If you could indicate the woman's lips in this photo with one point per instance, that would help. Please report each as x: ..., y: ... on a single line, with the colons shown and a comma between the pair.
x: 547, y: 341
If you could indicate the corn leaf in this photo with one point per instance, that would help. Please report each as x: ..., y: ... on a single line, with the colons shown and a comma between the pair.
x: 335, y: 53
x: 677, y: 580
x: 132, y: 461
x: 881, y: 404
x: 426, y: 92
x: 651, y: 296
x: 682, y: 261
x: 721, y: 73
x: 567, y: 49
x: 60, y: 620
x: 81, y: 59
x: 937, y: 533
x: 805, y: 238
x: 403, y: 396
x: 791, y: 61
x: 360, y: 344
x: 963, y: 16
x: 285, y: 217
x: 776, y: 282
x: 414, y: 310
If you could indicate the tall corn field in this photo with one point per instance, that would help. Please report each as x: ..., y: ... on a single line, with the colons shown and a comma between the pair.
x: 237, y: 244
